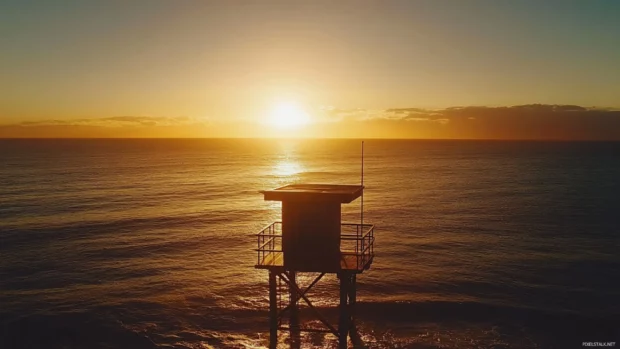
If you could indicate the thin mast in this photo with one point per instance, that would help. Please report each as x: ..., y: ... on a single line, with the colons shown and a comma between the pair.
x: 362, y: 205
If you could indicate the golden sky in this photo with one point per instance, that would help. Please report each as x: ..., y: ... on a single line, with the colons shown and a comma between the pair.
x: 383, y: 69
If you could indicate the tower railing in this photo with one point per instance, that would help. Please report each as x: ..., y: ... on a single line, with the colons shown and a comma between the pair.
x: 269, y: 241
x: 356, y: 241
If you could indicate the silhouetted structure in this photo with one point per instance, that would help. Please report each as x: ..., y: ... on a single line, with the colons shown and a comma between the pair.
x: 312, y: 238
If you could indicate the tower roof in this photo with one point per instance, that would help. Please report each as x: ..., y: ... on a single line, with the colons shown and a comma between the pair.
x: 330, y: 192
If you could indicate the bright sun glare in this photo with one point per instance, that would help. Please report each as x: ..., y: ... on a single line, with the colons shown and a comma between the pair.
x: 288, y: 115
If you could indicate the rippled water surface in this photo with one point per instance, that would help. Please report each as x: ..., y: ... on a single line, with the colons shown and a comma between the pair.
x: 146, y: 243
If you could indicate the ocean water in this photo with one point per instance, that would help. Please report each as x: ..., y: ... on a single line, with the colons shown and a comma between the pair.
x: 148, y: 243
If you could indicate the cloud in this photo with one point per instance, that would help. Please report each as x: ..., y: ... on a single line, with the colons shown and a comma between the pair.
x: 528, y: 122
x: 114, y: 121
x: 531, y: 121
x: 113, y: 127
x: 332, y: 114
x: 406, y: 110
x: 395, y: 114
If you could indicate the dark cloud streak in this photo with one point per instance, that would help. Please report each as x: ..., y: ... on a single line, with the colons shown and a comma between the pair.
x: 526, y: 122
x: 533, y: 121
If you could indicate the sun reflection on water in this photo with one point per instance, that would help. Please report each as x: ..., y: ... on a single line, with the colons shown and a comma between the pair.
x: 287, y: 168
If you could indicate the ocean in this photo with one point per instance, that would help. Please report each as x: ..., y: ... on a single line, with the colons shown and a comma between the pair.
x: 148, y: 243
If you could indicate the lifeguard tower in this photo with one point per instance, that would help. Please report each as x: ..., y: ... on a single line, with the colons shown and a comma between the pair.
x: 312, y: 238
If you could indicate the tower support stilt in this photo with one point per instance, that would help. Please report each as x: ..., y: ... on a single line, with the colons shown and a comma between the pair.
x: 294, y: 329
x: 347, y: 288
x: 352, y: 299
x: 294, y: 298
x: 344, y: 322
x: 273, y: 310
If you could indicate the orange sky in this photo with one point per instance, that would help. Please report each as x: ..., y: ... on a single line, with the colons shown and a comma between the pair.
x: 538, y: 122
x: 224, y: 69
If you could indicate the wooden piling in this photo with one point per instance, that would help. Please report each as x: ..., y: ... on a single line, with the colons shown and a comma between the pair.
x: 273, y: 310
x: 343, y: 324
x: 294, y: 319
x: 352, y: 299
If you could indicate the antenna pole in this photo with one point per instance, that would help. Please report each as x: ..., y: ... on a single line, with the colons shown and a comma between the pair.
x: 362, y: 206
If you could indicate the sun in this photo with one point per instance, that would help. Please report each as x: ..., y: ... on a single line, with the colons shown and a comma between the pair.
x: 287, y: 115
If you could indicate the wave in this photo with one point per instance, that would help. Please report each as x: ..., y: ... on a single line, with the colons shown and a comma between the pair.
x: 318, y: 175
x: 152, y: 325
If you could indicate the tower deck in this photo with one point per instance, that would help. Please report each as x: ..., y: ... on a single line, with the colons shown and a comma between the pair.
x: 356, y: 251
x: 349, y: 262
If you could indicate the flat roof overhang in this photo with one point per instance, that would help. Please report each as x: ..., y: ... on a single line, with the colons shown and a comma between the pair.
x: 315, y: 192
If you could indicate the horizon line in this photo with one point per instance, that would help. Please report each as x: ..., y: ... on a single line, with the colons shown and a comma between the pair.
x: 317, y: 138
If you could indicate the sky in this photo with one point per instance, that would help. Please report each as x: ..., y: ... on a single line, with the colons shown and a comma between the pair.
x: 405, y: 69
